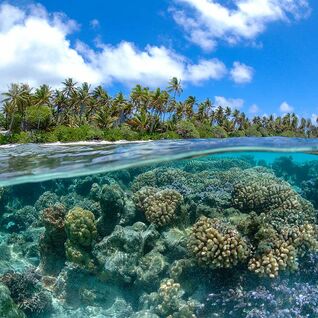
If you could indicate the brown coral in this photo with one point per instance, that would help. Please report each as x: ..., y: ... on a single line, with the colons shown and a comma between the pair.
x: 280, y: 250
x: 262, y: 191
x: 216, y: 244
x: 160, y: 206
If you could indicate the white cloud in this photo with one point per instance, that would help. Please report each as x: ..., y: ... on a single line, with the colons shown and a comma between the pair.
x: 254, y: 109
x: 35, y: 48
x: 314, y: 118
x: 241, y: 73
x: 234, y: 103
x: 208, y: 21
x: 206, y: 69
x: 285, y: 108
x: 94, y: 24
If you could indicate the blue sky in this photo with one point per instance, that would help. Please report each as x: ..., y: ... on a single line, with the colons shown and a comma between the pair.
x: 259, y: 55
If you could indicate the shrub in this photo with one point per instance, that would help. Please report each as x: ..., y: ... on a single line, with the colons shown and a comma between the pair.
x: 218, y: 132
x: 169, y: 135
x: 121, y: 133
x: 21, y: 138
x: 186, y: 129
x: 252, y: 131
x: 38, y: 116
x: 83, y: 133
x: 237, y: 133
x: 204, y: 129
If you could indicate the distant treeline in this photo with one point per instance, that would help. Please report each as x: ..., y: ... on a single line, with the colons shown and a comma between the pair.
x: 76, y: 113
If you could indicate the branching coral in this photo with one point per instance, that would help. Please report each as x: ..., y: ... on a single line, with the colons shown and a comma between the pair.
x: 262, y: 191
x: 27, y: 293
x: 216, y: 244
x: 160, y: 206
x: 278, y: 251
x: 169, y: 301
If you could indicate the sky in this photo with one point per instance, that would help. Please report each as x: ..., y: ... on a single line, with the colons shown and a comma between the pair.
x: 256, y: 55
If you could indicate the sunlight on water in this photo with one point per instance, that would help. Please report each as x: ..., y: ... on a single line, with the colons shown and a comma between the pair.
x: 34, y: 163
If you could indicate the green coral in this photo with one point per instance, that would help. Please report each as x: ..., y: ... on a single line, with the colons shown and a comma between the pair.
x: 216, y: 244
x: 160, y: 206
x: 80, y: 227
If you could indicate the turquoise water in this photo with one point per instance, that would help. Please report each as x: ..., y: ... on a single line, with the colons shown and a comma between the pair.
x: 204, y: 228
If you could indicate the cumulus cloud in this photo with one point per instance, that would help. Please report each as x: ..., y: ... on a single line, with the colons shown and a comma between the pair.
x: 234, y: 103
x: 285, y: 108
x: 254, y: 109
x: 241, y: 73
x: 208, y: 21
x: 35, y: 48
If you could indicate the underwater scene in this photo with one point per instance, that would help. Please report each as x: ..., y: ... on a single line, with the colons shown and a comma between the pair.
x: 216, y: 230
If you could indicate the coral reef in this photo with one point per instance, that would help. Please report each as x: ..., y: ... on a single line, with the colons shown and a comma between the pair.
x: 213, y: 236
x: 52, y: 242
x: 169, y: 301
x: 27, y: 292
x: 160, y: 206
x: 120, y: 253
x: 8, y: 309
x: 216, y: 244
x: 262, y: 192
x: 81, y: 231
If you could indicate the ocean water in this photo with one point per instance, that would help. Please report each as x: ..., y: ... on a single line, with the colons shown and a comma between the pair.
x: 178, y: 229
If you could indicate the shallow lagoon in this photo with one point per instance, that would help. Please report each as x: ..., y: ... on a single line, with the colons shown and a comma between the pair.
x: 167, y: 229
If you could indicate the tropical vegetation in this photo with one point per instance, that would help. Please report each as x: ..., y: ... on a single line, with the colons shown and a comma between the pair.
x: 79, y: 112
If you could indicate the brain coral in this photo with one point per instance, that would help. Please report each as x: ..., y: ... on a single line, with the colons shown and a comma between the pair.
x: 160, y: 206
x: 80, y: 226
x: 216, y: 244
x: 262, y: 191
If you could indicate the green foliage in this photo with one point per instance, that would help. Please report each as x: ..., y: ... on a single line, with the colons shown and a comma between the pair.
x: 218, y: 132
x: 2, y: 121
x: 120, y: 133
x: 237, y: 133
x: 79, y: 113
x: 289, y: 133
x: 38, y: 116
x: 186, y: 129
x: 4, y: 139
x: 21, y: 138
x: 83, y: 133
x: 252, y: 131
x: 169, y: 135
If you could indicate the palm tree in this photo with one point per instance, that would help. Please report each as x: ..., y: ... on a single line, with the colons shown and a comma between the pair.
x: 42, y: 96
x: 16, y: 100
x: 189, y: 104
x: 122, y: 108
x: 175, y: 87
